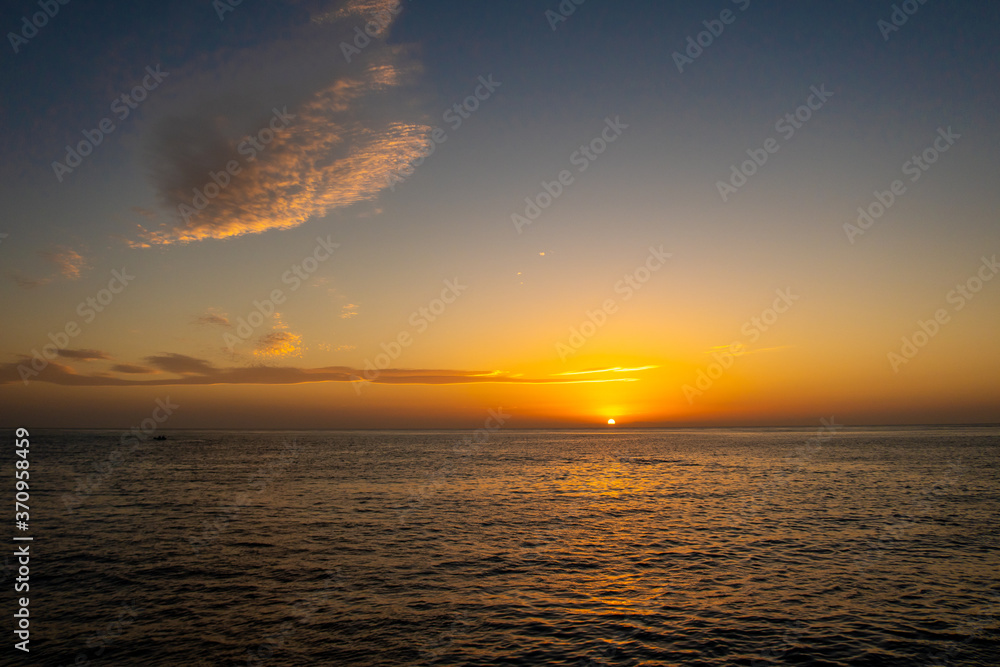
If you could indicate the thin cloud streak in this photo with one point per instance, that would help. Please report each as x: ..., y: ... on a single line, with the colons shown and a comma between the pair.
x: 133, y: 369
x: 200, y: 372
x: 84, y: 355
x: 615, y: 369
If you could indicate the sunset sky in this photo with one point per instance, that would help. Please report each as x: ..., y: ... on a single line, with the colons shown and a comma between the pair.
x: 590, y: 237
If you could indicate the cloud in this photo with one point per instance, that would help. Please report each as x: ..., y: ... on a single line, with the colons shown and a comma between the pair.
x: 83, y: 355
x: 338, y: 135
x: 27, y: 282
x: 349, y: 311
x: 194, y: 371
x: 327, y: 347
x: 180, y: 364
x: 277, y: 324
x: 69, y: 262
x: 211, y: 316
x: 378, y: 11
x: 279, y: 344
x: 615, y: 369
x: 132, y: 369
x: 145, y: 212
x: 747, y: 350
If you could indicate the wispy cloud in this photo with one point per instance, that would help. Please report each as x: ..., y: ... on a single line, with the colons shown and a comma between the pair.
x: 192, y: 371
x: 327, y: 347
x: 144, y: 212
x: 366, y: 9
x: 27, y: 282
x: 615, y: 369
x: 180, y: 364
x: 747, y: 350
x: 343, y: 136
x: 132, y: 369
x: 349, y: 311
x: 212, y: 316
x: 84, y: 355
x: 70, y: 263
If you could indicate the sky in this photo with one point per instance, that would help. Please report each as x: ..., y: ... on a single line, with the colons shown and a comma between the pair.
x: 419, y: 214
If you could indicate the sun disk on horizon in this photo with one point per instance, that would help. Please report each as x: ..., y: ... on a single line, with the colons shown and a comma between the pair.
x: 611, y: 422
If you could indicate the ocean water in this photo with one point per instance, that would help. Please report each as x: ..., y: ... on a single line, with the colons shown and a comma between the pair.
x: 664, y: 547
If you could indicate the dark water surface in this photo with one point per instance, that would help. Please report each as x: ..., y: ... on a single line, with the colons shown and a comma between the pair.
x: 717, y: 547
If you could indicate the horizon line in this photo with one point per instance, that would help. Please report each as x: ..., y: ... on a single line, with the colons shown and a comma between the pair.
x: 602, y: 427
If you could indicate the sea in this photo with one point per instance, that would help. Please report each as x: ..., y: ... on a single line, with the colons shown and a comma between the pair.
x: 826, y: 546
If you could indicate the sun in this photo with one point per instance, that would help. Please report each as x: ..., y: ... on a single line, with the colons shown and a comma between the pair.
x: 611, y: 422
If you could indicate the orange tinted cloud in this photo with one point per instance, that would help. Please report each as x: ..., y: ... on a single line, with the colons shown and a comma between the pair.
x: 380, y: 12
x: 192, y: 371
x: 615, y: 369
x: 69, y: 262
x: 336, y: 148
x: 279, y: 344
